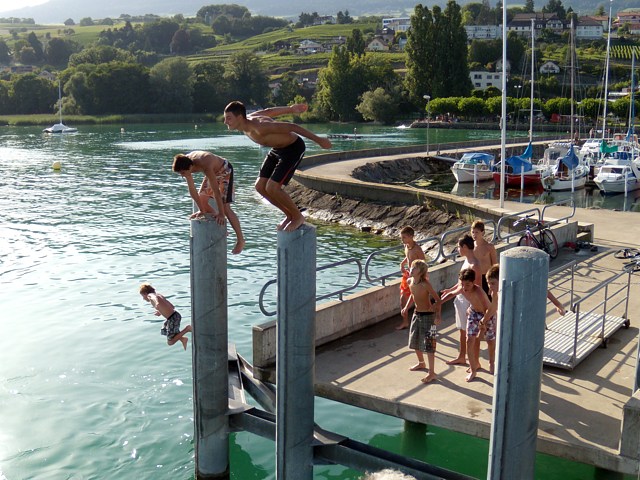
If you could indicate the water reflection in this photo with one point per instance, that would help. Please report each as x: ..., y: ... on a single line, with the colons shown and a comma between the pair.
x: 583, y: 198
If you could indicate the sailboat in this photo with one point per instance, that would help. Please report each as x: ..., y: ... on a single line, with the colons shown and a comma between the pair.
x: 563, y: 169
x: 619, y: 173
x: 60, y: 127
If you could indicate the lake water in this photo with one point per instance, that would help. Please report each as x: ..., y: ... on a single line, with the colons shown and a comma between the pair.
x: 88, y: 387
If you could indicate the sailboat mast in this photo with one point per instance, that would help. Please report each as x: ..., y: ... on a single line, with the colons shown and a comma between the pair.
x: 533, y: 68
x: 632, y: 106
x: 606, y: 76
x: 60, y: 100
x: 573, y: 75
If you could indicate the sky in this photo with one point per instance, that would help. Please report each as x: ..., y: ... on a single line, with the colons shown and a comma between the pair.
x: 6, y: 5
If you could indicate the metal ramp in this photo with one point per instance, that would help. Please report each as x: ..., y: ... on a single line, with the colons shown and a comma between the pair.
x: 569, y: 339
x: 566, y: 348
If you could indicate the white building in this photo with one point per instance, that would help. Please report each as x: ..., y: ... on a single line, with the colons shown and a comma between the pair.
x: 483, y: 79
x: 400, y: 24
x: 483, y: 32
x: 588, y: 29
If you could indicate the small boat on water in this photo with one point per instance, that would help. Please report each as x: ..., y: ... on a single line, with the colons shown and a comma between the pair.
x: 618, y: 175
x: 519, y: 170
x: 563, y: 169
x: 472, y: 167
x: 60, y: 127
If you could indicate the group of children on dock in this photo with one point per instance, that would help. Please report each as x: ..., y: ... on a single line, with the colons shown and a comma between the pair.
x: 278, y: 167
x: 475, y: 302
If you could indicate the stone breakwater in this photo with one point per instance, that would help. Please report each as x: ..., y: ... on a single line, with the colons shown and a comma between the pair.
x: 380, y: 218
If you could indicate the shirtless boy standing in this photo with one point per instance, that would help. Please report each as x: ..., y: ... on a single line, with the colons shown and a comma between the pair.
x: 217, y: 184
x: 484, y: 251
x: 422, y: 334
x: 412, y: 251
x: 164, y: 307
x: 460, y: 303
x: 287, y: 150
x: 480, y: 318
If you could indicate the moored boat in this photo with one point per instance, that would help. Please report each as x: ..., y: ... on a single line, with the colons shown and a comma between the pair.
x: 472, y: 167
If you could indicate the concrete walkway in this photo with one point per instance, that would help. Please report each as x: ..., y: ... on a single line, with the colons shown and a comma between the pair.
x: 580, y: 411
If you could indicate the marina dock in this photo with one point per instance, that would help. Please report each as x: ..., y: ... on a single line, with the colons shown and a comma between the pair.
x: 581, y: 411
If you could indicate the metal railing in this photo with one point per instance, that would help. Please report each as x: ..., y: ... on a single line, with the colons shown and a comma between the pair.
x: 454, y: 253
x: 605, y: 303
x: 506, y: 223
x: 569, y: 279
x: 339, y: 292
x: 396, y: 272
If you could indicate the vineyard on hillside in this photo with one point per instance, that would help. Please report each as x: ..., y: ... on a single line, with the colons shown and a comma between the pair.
x: 623, y: 52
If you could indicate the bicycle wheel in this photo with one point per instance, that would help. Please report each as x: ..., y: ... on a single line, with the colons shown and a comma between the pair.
x: 527, y: 241
x: 627, y: 253
x: 550, y: 243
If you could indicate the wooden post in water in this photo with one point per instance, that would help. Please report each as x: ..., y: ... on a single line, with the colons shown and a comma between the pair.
x: 524, y: 273
x: 295, y: 353
x: 210, y: 347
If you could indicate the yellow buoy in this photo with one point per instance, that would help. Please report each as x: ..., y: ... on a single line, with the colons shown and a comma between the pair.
x: 56, y: 165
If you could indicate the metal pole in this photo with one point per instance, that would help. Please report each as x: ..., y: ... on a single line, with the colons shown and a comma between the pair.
x: 295, y: 353
x: 210, y: 350
x: 516, y: 400
x: 503, y: 117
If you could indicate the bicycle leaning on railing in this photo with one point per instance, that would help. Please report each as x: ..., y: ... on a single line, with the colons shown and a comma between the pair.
x: 632, y: 254
x: 546, y: 240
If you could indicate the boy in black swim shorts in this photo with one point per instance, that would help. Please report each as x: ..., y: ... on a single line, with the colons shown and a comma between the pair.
x: 287, y: 150
x: 162, y: 306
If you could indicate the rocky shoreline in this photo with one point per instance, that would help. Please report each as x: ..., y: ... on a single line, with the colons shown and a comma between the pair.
x: 377, y: 218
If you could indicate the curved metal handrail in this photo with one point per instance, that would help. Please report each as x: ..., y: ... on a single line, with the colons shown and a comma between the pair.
x: 397, y: 272
x: 504, y: 219
x: 568, y: 201
x: 338, y: 292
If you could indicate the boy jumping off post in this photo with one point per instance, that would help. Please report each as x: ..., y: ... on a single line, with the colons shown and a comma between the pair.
x: 164, y: 307
x: 287, y: 150
x: 217, y: 184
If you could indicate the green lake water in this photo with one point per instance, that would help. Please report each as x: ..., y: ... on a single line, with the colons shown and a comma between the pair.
x: 88, y: 387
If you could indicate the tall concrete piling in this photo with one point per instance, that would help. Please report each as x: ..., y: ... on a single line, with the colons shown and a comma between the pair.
x: 296, y: 309
x: 210, y: 345
x: 524, y: 273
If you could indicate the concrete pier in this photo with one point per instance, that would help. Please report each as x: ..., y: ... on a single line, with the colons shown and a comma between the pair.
x: 296, y: 309
x: 210, y: 345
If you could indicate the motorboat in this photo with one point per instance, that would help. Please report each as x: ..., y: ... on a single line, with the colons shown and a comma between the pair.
x: 618, y: 175
x: 473, y: 167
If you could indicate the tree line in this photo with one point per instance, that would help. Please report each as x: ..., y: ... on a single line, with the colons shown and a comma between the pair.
x: 128, y: 72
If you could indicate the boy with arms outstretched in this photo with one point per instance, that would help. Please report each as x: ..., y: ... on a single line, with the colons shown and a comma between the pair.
x: 164, y: 307
x: 217, y: 184
x: 481, y: 318
x: 422, y: 334
x: 412, y: 251
x: 460, y: 303
x: 287, y: 150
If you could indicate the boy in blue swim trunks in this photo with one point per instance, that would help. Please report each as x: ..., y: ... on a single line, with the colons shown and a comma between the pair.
x: 287, y: 150
x: 481, y: 318
x: 164, y: 307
